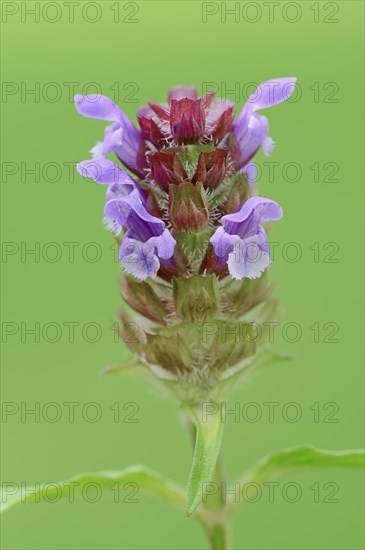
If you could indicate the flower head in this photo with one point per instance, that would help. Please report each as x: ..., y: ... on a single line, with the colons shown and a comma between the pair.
x: 186, y: 205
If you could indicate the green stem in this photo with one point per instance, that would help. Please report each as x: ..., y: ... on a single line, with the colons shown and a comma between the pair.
x: 217, y: 521
x: 218, y: 537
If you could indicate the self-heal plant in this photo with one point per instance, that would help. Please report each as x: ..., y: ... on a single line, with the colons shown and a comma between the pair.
x: 194, y: 252
x: 192, y: 243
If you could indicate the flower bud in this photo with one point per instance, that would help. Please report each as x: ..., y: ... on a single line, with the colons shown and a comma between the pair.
x: 166, y: 168
x: 187, y: 120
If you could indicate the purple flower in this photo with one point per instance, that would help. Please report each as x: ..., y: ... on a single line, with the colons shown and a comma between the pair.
x: 242, y: 242
x: 121, y: 136
x: 146, y: 241
x: 250, y: 129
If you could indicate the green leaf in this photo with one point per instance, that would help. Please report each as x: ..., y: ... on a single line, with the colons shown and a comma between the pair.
x: 209, y: 431
x: 145, y: 479
x: 287, y: 460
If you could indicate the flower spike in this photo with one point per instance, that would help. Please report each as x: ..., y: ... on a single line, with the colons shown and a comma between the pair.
x: 182, y: 203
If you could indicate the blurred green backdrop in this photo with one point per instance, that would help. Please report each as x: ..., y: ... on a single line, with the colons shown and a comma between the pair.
x: 137, y: 50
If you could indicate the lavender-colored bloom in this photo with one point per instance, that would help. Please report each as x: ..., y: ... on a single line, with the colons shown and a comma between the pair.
x: 242, y: 242
x: 146, y: 241
x: 121, y: 136
x: 251, y: 129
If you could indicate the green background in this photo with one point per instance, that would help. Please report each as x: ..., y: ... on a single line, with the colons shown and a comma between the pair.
x: 170, y: 45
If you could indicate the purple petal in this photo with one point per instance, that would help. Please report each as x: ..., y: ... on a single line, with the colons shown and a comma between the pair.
x: 223, y: 243
x: 141, y: 259
x: 122, y: 136
x: 97, y: 106
x: 113, y: 138
x: 137, y: 260
x: 117, y: 210
x: 269, y: 93
x: 129, y: 212
x: 105, y: 171
x: 127, y: 152
x: 250, y: 257
x: 268, y: 146
x: 97, y: 150
x: 251, y: 171
x: 253, y: 137
x: 272, y: 92
x: 254, y: 212
x: 165, y: 244
x: 117, y: 190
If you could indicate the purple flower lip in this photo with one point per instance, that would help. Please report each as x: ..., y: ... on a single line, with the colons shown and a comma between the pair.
x: 241, y: 242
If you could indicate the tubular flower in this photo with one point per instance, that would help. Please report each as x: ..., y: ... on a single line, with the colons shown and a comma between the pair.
x: 242, y: 240
x: 146, y: 240
x: 181, y: 200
